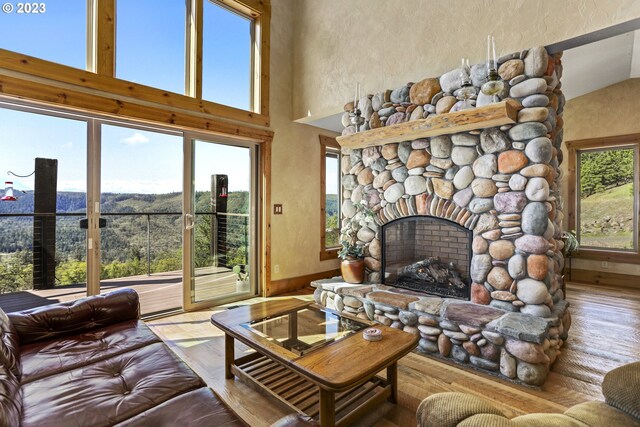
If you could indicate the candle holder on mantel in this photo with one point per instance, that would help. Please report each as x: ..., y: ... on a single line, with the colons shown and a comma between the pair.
x: 355, y: 117
x: 494, y: 84
x: 467, y: 90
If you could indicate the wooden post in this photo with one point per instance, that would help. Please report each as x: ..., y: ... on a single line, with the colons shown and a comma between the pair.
x: 229, y: 355
x: 392, y: 379
x: 219, y: 195
x: 327, y: 408
x: 44, y: 225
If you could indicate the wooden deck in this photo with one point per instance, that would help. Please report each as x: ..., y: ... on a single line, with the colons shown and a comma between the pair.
x: 158, y: 293
x: 604, y: 335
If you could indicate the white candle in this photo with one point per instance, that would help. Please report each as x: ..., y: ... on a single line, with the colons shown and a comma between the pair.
x: 493, y: 47
x: 355, y: 97
x: 488, y: 52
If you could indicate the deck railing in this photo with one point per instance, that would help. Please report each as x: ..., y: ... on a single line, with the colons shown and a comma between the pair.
x: 222, y: 239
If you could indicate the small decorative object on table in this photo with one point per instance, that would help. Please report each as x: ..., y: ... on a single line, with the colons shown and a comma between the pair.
x: 372, y: 334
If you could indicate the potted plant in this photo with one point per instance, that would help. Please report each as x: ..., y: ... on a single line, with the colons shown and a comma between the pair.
x: 352, y: 266
x: 242, y: 277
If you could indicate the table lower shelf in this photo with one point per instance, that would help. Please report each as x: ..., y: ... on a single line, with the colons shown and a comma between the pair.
x: 294, y: 392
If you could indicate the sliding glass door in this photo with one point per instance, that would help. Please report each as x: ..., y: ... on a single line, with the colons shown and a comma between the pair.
x: 141, y: 212
x: 220, y: 222
x: 43, y: 250
x: 92, y: 204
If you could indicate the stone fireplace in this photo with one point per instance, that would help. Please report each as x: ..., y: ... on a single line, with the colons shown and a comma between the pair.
x: 465, y: 247
x: 427, y: 254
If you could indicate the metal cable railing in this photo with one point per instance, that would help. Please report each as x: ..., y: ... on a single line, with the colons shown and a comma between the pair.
x: 227, y: 247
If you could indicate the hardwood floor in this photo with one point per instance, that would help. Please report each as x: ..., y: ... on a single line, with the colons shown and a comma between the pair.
x: 605, y: 334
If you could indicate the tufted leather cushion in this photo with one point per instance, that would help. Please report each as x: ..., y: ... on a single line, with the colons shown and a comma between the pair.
x: 44, y: 358
x: 10, y: 398
x: 193, y: 409
x: 109, y: 391
x: 9, y: 345
x: 621, y: 388
x: 58, y: 320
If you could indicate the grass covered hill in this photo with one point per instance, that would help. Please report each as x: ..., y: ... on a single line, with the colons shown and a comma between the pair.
x: 124, y: 237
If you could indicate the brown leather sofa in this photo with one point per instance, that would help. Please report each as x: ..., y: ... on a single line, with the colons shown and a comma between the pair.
x: 92, y: 362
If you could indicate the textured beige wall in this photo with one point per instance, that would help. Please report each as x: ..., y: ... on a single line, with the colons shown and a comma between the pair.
x: 609, y: 111
x: 295, y: 182
x: 386, y: 43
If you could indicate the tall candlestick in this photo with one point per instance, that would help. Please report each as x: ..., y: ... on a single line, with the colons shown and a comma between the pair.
x: 493, y: 48
x: 355, y: 97
x: 488, y: 52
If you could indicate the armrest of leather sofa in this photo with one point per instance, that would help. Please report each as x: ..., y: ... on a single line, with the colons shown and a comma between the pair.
x: 68, y: 318
x: 295, y: 420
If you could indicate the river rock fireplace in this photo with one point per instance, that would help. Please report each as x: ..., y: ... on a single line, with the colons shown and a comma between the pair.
x: 427, y: 254
x: 465, y: 248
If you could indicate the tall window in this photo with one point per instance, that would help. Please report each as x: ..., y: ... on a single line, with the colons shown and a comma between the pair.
x: 192, y: 54
x: 150, y: 43
x: 226, y: 56
x: 329, y: 197
x: 54, y: 30
x: 605, y: 206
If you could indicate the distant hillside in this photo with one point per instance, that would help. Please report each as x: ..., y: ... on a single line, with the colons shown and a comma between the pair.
x: 332, y: 204
x: 125, y: 237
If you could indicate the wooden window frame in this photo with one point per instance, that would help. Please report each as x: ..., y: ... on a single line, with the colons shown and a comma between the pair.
x: 99, y: 76
x: 327, y: 142
x: 573, y: 147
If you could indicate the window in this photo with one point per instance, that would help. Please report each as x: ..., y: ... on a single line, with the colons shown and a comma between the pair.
x: 150, y: 43
x: 226, y: 56
x: 55, y: 30
x: 329, y: 197
x: 604, y: 209
x: 194, y: 57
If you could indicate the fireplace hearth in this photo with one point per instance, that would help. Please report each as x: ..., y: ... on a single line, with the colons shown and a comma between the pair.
x: 427, y: 254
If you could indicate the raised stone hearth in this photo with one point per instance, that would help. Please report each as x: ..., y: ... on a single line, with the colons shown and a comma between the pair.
x: 493, y: 172
x: 517, y: 346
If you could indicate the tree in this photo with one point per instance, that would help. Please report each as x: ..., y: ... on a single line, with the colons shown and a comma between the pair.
x: 600, y: 170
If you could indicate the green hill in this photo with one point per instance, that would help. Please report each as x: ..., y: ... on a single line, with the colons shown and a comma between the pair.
x: 606, y: 218
x: 124, y: 241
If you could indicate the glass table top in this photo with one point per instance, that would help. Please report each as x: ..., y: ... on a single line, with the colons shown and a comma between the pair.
x: 306, y: 329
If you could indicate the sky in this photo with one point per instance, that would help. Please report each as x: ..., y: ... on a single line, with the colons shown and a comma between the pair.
x: 150, y: 50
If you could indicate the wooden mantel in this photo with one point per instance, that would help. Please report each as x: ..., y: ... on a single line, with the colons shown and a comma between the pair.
x: 502, y: 113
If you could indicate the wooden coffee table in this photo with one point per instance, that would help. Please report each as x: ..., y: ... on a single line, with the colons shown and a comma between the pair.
x: 313, y: 360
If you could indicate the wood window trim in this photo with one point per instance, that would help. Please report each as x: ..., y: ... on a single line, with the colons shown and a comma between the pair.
x: 325, y: 253
x: 101, y: 62
x: 572, y: 217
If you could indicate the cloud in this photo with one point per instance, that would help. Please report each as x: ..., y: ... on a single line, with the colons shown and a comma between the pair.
x: 135, y: 139
x: 67, y: 144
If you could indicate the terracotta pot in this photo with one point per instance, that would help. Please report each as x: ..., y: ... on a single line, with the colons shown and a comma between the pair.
x: 352, y: 270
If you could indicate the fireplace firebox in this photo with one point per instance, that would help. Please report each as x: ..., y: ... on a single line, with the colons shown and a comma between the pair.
x: 427, y: 254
